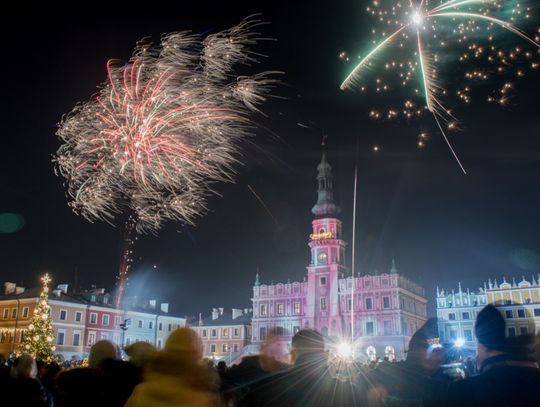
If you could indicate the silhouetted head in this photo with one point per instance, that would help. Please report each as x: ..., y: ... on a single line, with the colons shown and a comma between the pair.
x: 307, y: 341
x: 490, y: 329
x: 101, y: 351
x: 184, y: 342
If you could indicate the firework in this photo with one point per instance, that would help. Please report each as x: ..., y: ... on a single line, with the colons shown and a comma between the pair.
x: 426, y: 36
x: 162, y: 129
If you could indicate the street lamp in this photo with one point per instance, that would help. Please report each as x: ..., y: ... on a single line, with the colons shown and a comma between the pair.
x: 124, y: 327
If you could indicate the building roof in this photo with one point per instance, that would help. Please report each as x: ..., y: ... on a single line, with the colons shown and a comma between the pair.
x: 85, y: 298
x: 226, y: 319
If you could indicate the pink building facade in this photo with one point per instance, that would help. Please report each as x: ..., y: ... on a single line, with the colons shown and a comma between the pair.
x: 380, y: 312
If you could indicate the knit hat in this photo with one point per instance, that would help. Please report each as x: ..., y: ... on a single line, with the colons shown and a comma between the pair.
x: 490, y: 329
x: 184, y: 341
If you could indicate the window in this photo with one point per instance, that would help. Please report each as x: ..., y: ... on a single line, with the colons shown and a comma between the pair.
x: 386, y: 302
x: 323, y: 303
x: 235, y: 347
x: 116, y: 338
x: 60, y: 336
x: 78, y: 316
x: 369, y: 328
x: 296, y: 329
x: 263, y: 309
x: 76, y: 338
x: 25, y: 311
x: 452, y: 316
x: 279, y: 308
x: 537, y: 312
x: 453, y: 335
x: 465, y: 315
x: 203, y: 333
x: 116, y: 320
x: 511, y: 332
x: 104, y: 335
x: 92, y: 338
x: 150, y: 325
x: 521, y: 313
x: 224, y: 348
x: 262, y: 333
x: 323, y: 280
x: 388, y: 328
x: 105, y: 319
x: 14, y: 313
x: 236, y: 332
x: 159, y: 344
x: 509, y: 314
x: 523, y: 330
x: 225, y: 332
x: 349, y: 304
x: 369, y: 303
x: 160, y: 326
x: 296, y: 308
x: 213, y: 348
x: 93, y: 318
x: 214, y: 333
x: 280, y: 331
x: 140, y: 323
x: 6, y: 313
x: 467, y: 333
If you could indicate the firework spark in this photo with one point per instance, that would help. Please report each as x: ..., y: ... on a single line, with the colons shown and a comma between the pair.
x: 420, y: 31
x: 163, y: 128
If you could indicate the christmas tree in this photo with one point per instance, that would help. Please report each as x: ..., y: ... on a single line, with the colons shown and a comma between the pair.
x: 38, y: 339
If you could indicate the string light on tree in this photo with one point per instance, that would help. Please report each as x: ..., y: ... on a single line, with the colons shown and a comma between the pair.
x: 38, y: 339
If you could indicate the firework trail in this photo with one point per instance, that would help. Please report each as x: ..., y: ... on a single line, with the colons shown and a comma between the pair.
x: 163, y: 128
x: 419, y: 30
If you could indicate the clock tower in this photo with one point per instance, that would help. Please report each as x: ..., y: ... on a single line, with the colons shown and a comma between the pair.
x: 327, y: 259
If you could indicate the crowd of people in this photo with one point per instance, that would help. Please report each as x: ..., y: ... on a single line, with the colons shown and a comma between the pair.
x: 507, y: 374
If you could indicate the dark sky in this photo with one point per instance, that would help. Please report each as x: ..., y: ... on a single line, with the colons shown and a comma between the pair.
x: 441, y: 226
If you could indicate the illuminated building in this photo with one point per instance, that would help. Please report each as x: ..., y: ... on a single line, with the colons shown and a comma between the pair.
x: 225, y: 335
x: 81, y: 319
x: 519, y: 304
x: 387, y: 308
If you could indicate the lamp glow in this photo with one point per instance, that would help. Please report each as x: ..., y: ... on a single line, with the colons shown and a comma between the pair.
x: 459, y: 342
x: 417, y: 18
x: 344, y: 350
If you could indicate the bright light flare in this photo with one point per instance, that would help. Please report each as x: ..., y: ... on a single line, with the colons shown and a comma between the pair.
x: 459, y: 342
x: 417, y: 18
x: 344, y: 350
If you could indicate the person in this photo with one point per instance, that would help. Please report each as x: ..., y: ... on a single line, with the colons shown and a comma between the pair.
x: 416, y: 381
x: 308, y: 382
x: 22, y: 388
x: 508, y: 376
x: 244, y: 380
x: 177, y: 376
x: 110, y: 379
x: 140, y: 354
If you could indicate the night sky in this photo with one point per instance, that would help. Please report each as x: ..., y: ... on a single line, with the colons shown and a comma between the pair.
x: 414, y: 205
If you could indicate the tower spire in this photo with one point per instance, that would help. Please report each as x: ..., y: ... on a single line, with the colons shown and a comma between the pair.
x: 325, y: 206
x: 393, y: 269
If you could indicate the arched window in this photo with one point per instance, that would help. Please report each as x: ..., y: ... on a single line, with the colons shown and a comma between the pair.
x: 321, y: 231
x: 390, y: 353
x: 371, y: 353
x: 324, y: 331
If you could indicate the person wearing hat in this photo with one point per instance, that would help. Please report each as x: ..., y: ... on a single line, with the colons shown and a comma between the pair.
x: 413, y: 382
x: 508, y: 376
x: 176, y: 376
